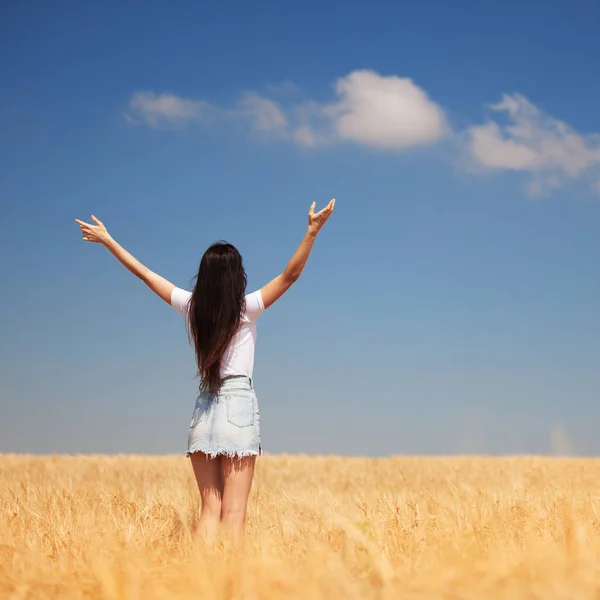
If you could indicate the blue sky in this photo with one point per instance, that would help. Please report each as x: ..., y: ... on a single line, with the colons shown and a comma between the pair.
x: 451, y: 303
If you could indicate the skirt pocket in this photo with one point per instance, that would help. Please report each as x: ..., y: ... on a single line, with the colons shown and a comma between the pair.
x: 240, y: 408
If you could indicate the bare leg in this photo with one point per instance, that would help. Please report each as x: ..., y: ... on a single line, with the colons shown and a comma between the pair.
x: 208, y: 472
x: 237, y: 480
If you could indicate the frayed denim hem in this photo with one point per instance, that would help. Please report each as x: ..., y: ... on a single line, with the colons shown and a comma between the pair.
x: 229, y: 452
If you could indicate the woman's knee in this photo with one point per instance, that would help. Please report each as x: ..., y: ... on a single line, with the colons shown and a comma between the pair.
x: 211, y: 505
x: 233, y: 513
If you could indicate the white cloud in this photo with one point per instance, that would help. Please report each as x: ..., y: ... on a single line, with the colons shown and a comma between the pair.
x: 165, y: 109
x: 384, y: 112
x: 375, y: 111
x: 536, y: 143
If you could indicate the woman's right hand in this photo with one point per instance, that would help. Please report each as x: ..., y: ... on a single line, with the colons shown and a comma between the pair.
x: 93, y: 233
x: 316, y: 221
x: 278, y: 286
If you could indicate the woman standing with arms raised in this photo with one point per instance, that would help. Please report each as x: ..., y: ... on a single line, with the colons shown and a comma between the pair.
x: 224, y: 435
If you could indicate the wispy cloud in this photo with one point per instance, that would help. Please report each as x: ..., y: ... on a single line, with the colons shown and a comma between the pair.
x: 551, y: 151
x: 170, y: 111
x: 264, y: 114
x: 165, y: 109
x: 393, y: 113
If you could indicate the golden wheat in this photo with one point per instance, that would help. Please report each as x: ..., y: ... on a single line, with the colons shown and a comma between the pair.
x: 322, y: 528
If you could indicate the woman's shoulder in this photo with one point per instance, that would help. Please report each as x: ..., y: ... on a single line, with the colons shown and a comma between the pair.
x: 180, y: 299
x: 254, y: 305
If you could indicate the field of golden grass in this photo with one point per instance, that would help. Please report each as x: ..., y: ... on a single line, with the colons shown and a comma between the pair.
x: 322, y: 528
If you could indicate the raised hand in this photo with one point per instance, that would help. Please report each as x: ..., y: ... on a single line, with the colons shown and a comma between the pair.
x: 93, y: 233
x: 317, y: 220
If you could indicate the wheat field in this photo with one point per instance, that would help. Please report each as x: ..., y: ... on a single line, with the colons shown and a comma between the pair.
x: 318, y: 527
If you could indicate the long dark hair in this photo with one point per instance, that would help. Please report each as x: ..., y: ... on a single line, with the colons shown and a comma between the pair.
x: 215, y: 310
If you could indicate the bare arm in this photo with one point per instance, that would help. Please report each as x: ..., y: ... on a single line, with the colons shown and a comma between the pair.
x: 98, y: 234
x: 278, y: 286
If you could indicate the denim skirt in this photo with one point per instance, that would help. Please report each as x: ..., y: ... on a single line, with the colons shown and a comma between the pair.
x: 226, y: 423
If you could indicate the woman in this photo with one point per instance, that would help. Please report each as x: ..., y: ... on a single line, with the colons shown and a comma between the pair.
x: 224, y: 435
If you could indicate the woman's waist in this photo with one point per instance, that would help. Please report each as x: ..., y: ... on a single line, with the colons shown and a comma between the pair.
x: 230, y: 383
x: 236, y: 381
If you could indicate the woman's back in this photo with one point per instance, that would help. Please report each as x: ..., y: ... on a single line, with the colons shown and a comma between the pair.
x: 238, y: 359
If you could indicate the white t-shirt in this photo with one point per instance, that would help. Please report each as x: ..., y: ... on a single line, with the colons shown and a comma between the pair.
x: 239, y: 356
